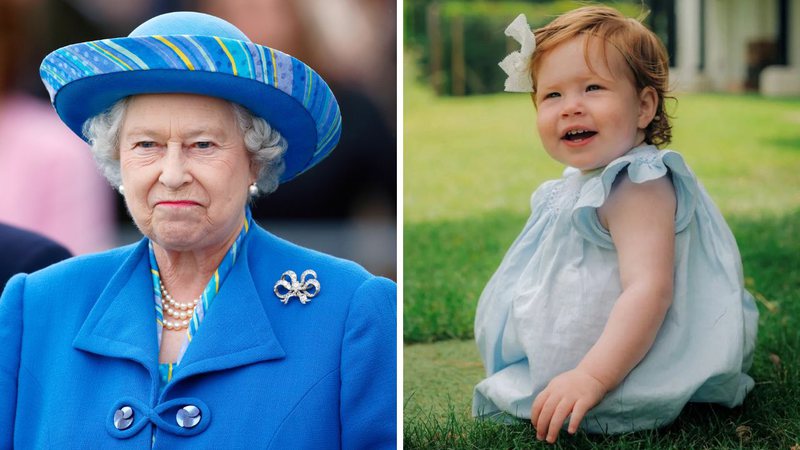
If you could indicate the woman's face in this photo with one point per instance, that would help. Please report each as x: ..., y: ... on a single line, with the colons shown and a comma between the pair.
x: 185, y: 170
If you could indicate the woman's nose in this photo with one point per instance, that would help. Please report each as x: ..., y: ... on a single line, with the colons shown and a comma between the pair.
x: 174, y: 171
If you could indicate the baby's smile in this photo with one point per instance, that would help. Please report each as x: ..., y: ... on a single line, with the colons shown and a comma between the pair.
x: 578, y: 135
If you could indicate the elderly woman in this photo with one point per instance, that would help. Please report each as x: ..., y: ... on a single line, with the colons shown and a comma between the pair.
x: 210, y: 332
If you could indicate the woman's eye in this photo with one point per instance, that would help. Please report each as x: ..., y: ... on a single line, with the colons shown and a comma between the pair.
x: 593, y: 87
x: 145, y: 144
x: 203, y: 145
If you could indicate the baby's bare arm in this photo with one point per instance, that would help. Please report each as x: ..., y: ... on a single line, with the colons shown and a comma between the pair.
x: 641, y: 221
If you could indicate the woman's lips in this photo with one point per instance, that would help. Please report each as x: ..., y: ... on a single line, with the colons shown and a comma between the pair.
x: 177, y: 203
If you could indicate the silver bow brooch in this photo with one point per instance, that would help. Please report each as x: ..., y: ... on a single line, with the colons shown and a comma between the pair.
x: 305, y: 289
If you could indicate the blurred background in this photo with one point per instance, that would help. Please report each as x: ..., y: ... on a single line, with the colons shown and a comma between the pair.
x: 345, y: 206
x: 713, y: 45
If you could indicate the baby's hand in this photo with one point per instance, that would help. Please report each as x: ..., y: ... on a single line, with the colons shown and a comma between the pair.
x: 572, y: 393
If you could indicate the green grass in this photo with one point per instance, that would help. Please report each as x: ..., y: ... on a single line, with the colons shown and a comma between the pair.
x: 470, y: 166
x: 439, y: 377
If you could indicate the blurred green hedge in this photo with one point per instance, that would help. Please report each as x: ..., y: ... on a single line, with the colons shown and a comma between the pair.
x: 459, y: 43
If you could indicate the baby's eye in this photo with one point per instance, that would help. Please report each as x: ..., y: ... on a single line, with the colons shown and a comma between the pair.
x: 593, y: 87
x: 552, y: 95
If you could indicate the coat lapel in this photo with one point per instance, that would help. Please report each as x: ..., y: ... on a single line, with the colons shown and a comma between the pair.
x: 236, y: 330
x: 122, y: 323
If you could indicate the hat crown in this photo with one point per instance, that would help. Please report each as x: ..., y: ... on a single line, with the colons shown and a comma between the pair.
x: 190, y: 23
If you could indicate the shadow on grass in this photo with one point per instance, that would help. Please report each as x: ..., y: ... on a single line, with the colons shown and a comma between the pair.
x: 787, y: 143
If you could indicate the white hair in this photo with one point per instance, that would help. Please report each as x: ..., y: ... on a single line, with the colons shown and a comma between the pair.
x: 265, y: 144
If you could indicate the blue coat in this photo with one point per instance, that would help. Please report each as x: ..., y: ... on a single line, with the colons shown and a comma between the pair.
x: 79, y: 342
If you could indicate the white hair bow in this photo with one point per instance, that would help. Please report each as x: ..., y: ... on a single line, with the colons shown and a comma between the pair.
x: 517, y: 64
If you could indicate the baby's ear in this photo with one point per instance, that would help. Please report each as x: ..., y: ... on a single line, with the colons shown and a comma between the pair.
x: 648, y: 103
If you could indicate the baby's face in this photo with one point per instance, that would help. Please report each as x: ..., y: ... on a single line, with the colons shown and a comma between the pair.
x: 588, y: 117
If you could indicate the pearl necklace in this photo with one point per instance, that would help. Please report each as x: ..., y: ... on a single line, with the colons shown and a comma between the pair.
x: 181, y: 312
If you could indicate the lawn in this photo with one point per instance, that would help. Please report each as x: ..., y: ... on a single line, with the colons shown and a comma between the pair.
x: 470, y: 166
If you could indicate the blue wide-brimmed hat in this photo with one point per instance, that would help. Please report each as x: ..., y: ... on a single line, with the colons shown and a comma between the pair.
x: 194, y: 53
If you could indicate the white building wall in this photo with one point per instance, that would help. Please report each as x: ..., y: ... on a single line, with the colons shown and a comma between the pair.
x: 717, y: 42
x: 684, y: 75
x: 782, y: 81
x: 730, y: 26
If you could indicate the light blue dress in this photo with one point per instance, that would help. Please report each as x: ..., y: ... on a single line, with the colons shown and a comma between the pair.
x: 550, y: 299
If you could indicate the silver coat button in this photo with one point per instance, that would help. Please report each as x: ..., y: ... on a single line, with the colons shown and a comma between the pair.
x: 123, y: 418
x: 188, y: 416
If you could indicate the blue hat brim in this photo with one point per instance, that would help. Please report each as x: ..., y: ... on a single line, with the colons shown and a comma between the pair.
x: 84, y: 82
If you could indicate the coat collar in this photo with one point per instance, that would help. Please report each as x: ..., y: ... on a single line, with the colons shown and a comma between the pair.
x: 236, y: 331
x: 122, y: 322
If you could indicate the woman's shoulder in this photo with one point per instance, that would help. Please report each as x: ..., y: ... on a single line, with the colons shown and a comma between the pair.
x: 348, y: 275
x: 92, y: 267
x: 291, y: 253
x: 71, y: 287
x: 347, y: 296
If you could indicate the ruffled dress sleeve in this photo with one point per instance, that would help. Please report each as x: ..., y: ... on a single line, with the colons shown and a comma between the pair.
x: 641, y: 164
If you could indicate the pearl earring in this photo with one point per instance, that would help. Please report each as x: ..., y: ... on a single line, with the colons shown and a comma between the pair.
x: 121, y: 189
x: 253, y: 190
